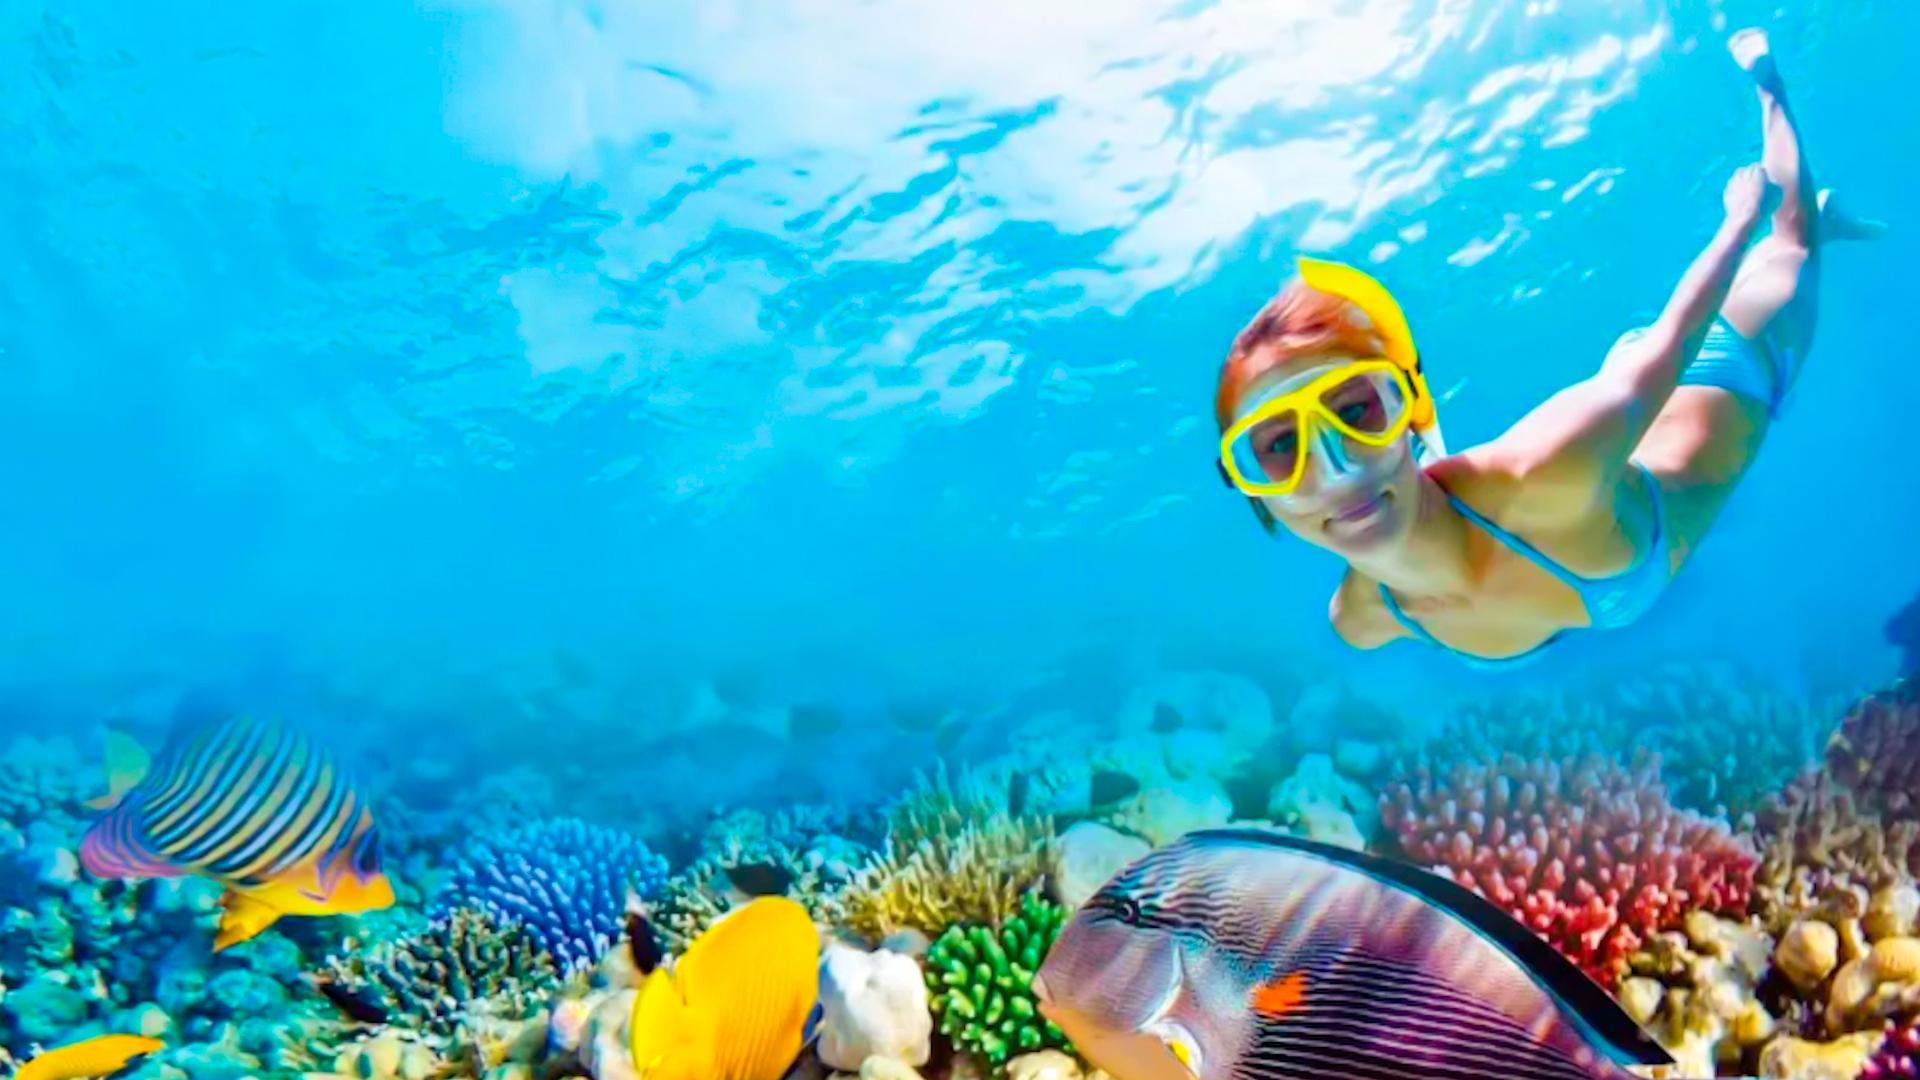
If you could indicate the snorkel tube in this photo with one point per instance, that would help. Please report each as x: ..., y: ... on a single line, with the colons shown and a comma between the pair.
x: 1372, y: 298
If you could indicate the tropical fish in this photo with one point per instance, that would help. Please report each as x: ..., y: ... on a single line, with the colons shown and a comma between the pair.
x: 1234, y: 953
x: 643, y: 948
x: 102, y: 1055
x: 357, y: 1004
x: 1110, y: 787
x: 740, y: 1004
x: 759, y: 879
x: 256, y: 806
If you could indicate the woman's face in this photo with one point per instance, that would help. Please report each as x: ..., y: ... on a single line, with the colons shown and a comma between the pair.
x: 1352, y: 499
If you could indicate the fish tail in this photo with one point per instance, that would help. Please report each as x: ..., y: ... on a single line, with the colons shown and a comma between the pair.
x: 127, y: 765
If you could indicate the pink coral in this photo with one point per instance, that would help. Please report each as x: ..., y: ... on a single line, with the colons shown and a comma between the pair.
x: 1898, y: 1057
x: 1584, y: 851
x: 1876, y: 752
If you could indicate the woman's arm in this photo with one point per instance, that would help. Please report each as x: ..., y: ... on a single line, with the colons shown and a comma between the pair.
x: 1575, y: 447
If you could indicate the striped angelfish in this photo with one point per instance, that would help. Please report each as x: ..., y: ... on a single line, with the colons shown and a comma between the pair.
x: 1255, y: 956
x: 255, y: 805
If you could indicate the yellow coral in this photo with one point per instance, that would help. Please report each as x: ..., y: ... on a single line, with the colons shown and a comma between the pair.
x: 1709, y: 1013
x: 954, y: 853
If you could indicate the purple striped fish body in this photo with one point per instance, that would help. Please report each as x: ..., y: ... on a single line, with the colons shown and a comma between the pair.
x: 256, y: 805
x: 1253, y: 956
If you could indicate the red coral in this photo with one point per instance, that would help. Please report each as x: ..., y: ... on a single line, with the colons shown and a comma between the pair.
x: 1876, y: 751
x: 1588, y: 854
x: 1898, y: 1057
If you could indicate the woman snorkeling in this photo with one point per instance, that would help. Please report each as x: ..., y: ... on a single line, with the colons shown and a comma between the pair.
x: 1580, y: 514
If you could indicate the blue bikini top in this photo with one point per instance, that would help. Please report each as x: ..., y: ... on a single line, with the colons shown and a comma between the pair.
x: 1611, y: 602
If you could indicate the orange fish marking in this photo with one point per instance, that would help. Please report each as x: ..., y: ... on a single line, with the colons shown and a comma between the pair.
x: 1281, y: 996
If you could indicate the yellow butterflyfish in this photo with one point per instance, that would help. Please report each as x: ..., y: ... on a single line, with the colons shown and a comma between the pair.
x: 740, y: 1004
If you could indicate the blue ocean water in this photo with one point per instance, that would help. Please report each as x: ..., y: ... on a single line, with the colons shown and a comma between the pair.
x: 862, y: 349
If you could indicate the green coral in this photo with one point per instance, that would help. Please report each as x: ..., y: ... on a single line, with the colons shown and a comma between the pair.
x: 981, y: 983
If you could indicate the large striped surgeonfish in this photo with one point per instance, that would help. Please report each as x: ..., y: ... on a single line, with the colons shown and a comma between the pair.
x: 1255, y: 956
x: 255, y: 805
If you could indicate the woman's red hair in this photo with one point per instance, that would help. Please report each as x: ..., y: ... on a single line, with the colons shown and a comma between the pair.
x: 1298, y: 322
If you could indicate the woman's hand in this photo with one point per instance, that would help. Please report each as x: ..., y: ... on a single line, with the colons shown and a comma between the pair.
x: 1750, y: 195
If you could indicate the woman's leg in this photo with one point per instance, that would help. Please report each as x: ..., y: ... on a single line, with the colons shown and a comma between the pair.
x: 1775, y: 297
x: 1704, y: 439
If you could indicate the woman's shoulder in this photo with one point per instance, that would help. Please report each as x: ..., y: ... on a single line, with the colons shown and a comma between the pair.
x: 1506, y: 484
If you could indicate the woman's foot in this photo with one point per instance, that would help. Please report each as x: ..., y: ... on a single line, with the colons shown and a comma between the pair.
x: 1837, y: 224
x: 1754, y: 54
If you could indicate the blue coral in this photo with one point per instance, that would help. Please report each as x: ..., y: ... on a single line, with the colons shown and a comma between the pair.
x: 565, y: 881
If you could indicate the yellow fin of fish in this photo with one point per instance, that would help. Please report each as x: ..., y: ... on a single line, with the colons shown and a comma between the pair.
x: 735, y: 1006
x: 669, y: 1040
x: 298, y: 891
x: 127, y: 765
x: 242, y: 917
x: 102, y: 1055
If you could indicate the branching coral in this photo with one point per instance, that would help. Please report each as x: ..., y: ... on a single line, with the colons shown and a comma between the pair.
x: 981, y: 983
x: 564, y: 880
x: 703, y: 892
x: 431, y: 977
x: 1876, y: 752
x: 1723, y: 746
x: 1819, y: 847
x: 953, y: 853
x: 1586, y: 852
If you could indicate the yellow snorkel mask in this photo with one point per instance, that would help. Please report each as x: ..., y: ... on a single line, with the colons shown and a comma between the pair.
x: 1371, y: 401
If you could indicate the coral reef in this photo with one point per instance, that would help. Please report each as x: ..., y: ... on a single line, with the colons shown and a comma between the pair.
x: 1898, y: 1055
x: 1723, y: 746
x: 1086, y: 857
x: 1819, y: 848
x: 705, y: 890
x: 1603, y: 817
x: 429, y: 977
x: 872, y: 1003
x: 982, y: 983
x: 565, y: 881
x: 1876, y: 752
x: 1695, y: 990
x: 954, y: 852
x: 1585, y: 851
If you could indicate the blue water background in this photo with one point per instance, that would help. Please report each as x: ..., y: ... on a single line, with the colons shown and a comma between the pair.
x: 860, y: 350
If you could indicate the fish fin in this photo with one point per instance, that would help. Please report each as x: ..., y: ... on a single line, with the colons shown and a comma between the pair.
x: 657, y: 1025
x: 1605, y: 1023
x: 1278, y: 997
x: 242, y: 918
x: 127, y: 764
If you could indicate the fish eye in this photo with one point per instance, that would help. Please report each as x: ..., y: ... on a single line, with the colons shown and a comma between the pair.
x: 1127, y: 910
